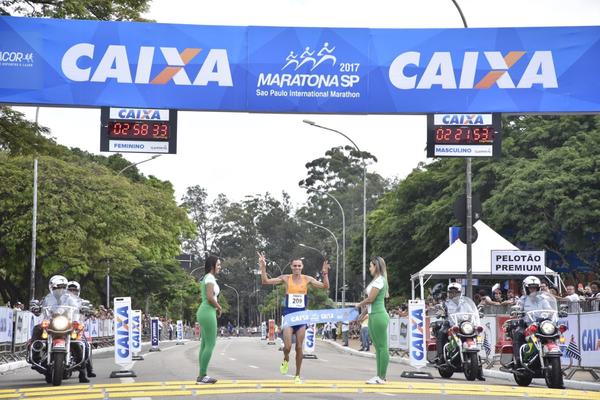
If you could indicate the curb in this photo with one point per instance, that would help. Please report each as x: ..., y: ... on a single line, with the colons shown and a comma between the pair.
x: 492, y: 373
x: 11, y: 366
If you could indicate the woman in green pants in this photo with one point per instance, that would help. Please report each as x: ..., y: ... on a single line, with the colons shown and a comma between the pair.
x: 207, y: 315
x: 376, y: 292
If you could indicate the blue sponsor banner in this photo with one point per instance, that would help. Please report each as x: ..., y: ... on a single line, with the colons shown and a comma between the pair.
x: 319, y: 316
x: 313, y: 70
x: 154, y: 332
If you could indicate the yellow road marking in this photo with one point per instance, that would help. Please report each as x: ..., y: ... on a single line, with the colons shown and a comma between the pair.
x: 233, y: 387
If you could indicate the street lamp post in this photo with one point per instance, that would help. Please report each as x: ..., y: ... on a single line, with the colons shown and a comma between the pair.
x: 137, y: 163
x: 343, y: 244
x: 364, y: 269
x: 321, y: 252
x: 238, y: 304
x: 337, y: 252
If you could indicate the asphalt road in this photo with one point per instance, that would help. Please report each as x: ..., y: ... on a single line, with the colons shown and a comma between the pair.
x: 248, y: 368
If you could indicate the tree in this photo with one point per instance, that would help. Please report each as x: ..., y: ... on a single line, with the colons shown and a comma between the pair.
x: 106, y: 10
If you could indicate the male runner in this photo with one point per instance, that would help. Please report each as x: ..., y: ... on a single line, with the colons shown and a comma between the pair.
x: 296, y: 299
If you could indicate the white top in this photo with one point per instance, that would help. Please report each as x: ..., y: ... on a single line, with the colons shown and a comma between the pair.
x: 345, y: 326
x: 573, y: 297
x: 210, y: 278
x: 375, y: 283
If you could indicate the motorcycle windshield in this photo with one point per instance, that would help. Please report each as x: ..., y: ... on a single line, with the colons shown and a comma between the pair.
x: 466, y: 311
x: 70, y: 312
x: 540, y: 307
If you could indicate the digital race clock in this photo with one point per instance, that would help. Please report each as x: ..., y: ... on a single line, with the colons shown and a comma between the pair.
x: 137, y: 130
x: 463, y: 135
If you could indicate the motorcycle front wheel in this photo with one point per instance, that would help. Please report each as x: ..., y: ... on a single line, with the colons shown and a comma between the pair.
x: 58, y: 368
x: 523, y: 379
x: 471, y: 366
x: 553, y: 374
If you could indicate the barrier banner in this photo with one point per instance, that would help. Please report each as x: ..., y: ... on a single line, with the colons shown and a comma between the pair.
x: 589, y: 331
x: 416, y: 328
x: 154, y: 332
x: 488, y: 337
x: 179, y: 332
x: 570, y: 339
x: 136, y: 331
x: 263, y: 330
x: 20, y: 332
x: 394, y: 333
x: 319, y: 316
x: 291, y: 69
x: 5, y: 324
x: 122, y: 322
x: 94, y: 328
x: 271, y: 337
x: 403, y: 338
x: 308, y: 347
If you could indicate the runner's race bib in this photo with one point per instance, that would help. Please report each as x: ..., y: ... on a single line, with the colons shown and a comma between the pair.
x: 295, y: 301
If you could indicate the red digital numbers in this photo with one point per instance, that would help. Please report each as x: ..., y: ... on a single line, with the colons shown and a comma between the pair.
x: 138, y: 130
x: 464, y: 135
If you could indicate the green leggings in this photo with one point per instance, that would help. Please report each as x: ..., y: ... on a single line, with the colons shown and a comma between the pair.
x: 207, y: 318
x: 378, y: 330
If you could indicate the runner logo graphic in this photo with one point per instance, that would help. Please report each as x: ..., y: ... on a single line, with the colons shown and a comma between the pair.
x: 307, y: 58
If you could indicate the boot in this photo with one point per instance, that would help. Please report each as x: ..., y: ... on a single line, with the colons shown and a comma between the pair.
x: 82, y: 377
x: 89, y: 369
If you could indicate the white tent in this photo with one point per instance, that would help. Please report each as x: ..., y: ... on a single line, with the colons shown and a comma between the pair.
x: 453, y: 261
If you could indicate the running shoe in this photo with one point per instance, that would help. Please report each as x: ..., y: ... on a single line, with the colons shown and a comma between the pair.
x: 298, y: 380
x: 284, y: 367
x: 375, y: 381
x: 205, y: 380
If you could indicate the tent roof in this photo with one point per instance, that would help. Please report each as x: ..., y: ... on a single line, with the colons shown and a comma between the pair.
x: 453, y: 261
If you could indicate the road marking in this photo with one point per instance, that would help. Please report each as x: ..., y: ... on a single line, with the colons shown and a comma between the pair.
x: 253, y: 366
x: 231, y: 359
x: 188, y: 388
x: 322, y: 359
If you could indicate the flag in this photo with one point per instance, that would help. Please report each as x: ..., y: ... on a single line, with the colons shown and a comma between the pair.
x: 486, y: 346
x: 573, y: 349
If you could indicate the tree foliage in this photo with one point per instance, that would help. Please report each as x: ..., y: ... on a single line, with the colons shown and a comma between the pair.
x: 105, y: 10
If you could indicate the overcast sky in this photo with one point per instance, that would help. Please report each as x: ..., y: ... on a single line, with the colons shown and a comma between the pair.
x: 240, y: 153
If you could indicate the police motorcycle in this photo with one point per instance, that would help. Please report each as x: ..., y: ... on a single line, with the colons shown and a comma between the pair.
x: 57, y: 348
x: 539, y: 355
x: 461, y: 352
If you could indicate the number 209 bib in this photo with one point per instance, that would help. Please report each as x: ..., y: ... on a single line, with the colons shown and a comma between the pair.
x: 296, y: 301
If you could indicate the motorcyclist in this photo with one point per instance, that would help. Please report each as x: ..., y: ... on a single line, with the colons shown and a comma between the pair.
x: 59, y: 295
x: 450, y: 306
x: 530, y: 301
x: 74, y: 289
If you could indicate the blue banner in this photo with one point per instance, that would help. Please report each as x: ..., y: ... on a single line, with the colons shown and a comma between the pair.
x: 304, y: 70
x: 319, y: 316
x: 154, y: 332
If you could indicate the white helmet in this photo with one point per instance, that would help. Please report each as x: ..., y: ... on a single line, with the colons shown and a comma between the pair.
x: 58, y: 285
x: 531, y: 281
x: 454, y: 285
x: 74, y: 285
x: 57, y: 282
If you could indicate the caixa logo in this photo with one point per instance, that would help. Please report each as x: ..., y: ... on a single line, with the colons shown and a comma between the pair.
x: 122, y: 331
x: 137, y: 113
x: 135, y: 330
x: 115, y: 63
x: 416, y: 334
x: 440, y: 70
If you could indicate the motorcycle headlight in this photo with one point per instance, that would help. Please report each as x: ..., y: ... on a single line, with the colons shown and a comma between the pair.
x: 467, y: 328
x: 60, y: 323
x: 547, y: 328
